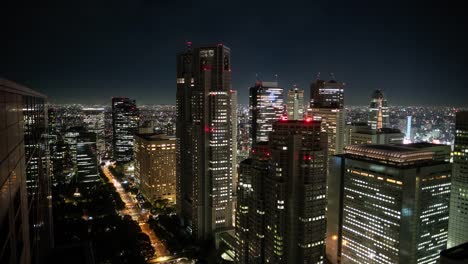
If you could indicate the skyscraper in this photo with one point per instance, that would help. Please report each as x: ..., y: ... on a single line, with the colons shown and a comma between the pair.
x: 87, y: 159
x: 327, y: 104
x: 204, y: 139
x: 378, y: 111
x: 282, y: 196
x: 93, y: 117
x: 266, y: 107
x: 125, y: 120
x: 250, y: 212
x: 25, y: 204
x: 458, y: 226
x: 327, y: 94
x: 295, y: 104
x: 155, y: 163
x: 387, y: 204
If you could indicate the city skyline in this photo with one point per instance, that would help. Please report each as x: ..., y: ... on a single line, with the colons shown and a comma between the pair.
x: 91, y: 52
x: 159, y: 131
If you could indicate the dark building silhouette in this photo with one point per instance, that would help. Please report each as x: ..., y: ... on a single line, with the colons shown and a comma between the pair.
x: 458, y: 226
x: 25, y: 196
x: 125, y: 118
x: 281, y: 197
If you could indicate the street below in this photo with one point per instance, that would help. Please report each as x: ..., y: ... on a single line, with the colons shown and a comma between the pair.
x: 140, y: 216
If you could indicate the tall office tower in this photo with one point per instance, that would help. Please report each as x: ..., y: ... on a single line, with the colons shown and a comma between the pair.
x: 282, y: 197
x: 250, y: 212
x: 266, y: 107
x: 87, y: 159
x: 295, y: 104
x: 325, y: 94
x: 458, y: 226
x: 25, y: 204
x: 204, y: 139
x: 358, y: 135
x: 387, y: 204
x: 378, y: 111
x: 125, y: 120
x: 327, y: 104
x: 155, y: 166
x: 93, y: 118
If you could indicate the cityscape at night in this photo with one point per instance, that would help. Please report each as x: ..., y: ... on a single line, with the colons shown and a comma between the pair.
x: 332, y: 132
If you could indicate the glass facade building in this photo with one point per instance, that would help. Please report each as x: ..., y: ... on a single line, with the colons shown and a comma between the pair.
x: 387, y: 204
x: 125, y: 119
x: 295, y: 104
x: 266, y: 107
x: 25, y: 197
x: 458, y: 226
x: 327, y: 105
x: 282, y: 197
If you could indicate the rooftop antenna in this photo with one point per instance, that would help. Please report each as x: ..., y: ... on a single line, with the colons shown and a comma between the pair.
x: 276, y: 77
x: 332, y: 76
x: 318, y: 76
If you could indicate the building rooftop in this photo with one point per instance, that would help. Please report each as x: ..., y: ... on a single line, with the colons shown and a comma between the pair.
x: 394, y: 154
x: 10, y: 86
x: 155, y: 136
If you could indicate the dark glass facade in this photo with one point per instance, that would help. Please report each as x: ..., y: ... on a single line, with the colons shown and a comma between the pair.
x: 125, y: 119
x: 25, y: 197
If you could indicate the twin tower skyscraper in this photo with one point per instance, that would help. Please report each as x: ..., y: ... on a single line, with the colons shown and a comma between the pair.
x: 206, y: 152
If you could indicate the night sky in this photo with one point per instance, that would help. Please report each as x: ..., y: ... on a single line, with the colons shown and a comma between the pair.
x: 87, y: 51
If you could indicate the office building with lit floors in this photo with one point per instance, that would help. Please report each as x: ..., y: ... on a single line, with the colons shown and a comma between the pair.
x: 295, y: 104
x: 266, y: 101
x: 458, y: 226
x: 378, y: 111
x: 204, y: 140
x: 327, y: 105
x: 25, y: 201
x: 282, y: 197
x: 250, y: 212
x: 387, y: 204
x: 125, y: 119
x: 155, y: 166
x: 87, y: 159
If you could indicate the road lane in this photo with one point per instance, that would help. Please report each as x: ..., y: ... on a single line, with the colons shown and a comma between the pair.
x: 132, y: 209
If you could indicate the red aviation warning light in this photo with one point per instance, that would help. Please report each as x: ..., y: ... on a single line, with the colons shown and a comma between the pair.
x: 284, y: 118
